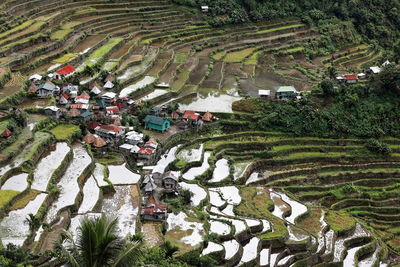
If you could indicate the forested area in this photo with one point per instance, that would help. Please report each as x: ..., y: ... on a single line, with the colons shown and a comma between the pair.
x: 369, y: 110
x: 376, y: 20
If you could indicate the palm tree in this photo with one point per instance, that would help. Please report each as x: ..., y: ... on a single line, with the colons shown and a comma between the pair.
x: 99, y: 245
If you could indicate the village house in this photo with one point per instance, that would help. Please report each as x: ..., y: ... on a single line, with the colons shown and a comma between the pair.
x: 47, y: 89
x: 286, y: 92
x: 110, y: 132
x: 63, y: 99
x: 148, y: 151
x: 204, y: 9
x: 108, y: 85
x: 111, y: 110
x: 53, y: 111
x: 191, y: 115
x: 134, y: 138
x: 86, y: 116
x: 92, y: 125
x: 170, y: 181
x: 65, y: 71
x: 6, y: 133
x: 82, y: 99
x: 154, y: 212
x: 95, y: 88
x: 81, y: 107
x: 74, y: 113
x: 156, y: 123
x: 71, y: 90
x: 264, y: 93
x: 109, y: 97
x: 208, y: 117
x: 350, y: 78
x: 374, y: 70
x: 35, y: 78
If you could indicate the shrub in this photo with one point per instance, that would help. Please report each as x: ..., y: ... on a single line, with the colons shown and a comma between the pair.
x: 377, y: 147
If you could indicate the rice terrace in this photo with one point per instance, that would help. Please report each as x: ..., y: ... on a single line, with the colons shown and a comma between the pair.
x: 199, y: 133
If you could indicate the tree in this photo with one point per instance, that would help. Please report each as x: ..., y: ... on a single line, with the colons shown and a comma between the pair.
x: 99, y: 245
x: 32, y: 221
x: 327, y: 88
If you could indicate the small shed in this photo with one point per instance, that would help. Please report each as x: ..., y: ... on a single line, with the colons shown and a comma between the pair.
x: 53, y: 111
x: 170, y: 181
x: 156, y: 123
x: 109, y: 85
x: 6, y: 133
x: 205, y: 9
x: 286, y: 92
x: 264, y: 93
x: 208, y: 117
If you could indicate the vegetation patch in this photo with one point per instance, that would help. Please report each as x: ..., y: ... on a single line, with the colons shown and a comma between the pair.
x: 6, y: 196
x: 110, y: 159
x: 66, y: 132
x: 23, y: 201
x: 340, y: 221
x: 238, y: 56
x: 65, y: 58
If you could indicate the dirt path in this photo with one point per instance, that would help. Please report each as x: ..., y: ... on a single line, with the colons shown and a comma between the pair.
x: 51, y: 238
x: 152, y: 234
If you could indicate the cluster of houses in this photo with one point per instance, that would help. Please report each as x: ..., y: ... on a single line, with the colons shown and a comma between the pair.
x: 153, y: 186
x: 354, y: 78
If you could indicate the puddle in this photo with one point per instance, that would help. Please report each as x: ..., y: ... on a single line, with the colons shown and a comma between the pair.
x: 98, y: 174
x: 120, y: 205
x: 154, y: 94
x: 120, y: 175
x: 339, y: 244
x: 250, y: 250
x: 198, y: 192
x: 221, y: 171
x: 219, y: 228
x: 229, y: 193
x: 254, y: 177
x: 296, y: 207
x: 215, y: 199
x: 264, y: 257
x: 140, y: 84
x: 17, y: 183
x: 180, y: 222
x: 251, y: 222
x: 13, y: 228
x: 165, y: 160
x: 229, y: 210
x: 192, y: 173
x: 239, y: 169
x: 91, y: 194
x: 212, y: 103
x: 231, y: 248
x: 369, y: 261
x: 68, y: 184
x: 191, y: 155
x: 47, y: 165
x: 212, y: 247
x: 280, y: 206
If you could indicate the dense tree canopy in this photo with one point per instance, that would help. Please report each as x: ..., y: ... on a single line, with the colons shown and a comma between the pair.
x: 375, y: 19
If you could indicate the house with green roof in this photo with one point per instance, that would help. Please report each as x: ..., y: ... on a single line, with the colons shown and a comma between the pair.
x: 156, y: 123
x: 286, y: 92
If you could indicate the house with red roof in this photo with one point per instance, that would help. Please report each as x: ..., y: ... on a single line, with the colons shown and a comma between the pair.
x: 63, y: 99
x: 92, y: 125
x: 64, y: 71
x: 191, y: 115
x: 154, y: 212
x: 110, y: 132
x: 351, y: 78
x: 6, y: 133
x: 112, y: 110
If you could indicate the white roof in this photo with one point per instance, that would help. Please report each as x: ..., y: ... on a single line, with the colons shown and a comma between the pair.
x: 375, y: 69
x: 339, y: 78
x: 109, y: 85
x: 95, y: 90
x: 361, y: 74
x: 204, y: 7
x: 52, y: 108
x: 264, y: 92
x: 82, y: 101
x: 35, y: 77
x: 50, y: 75
x: 386, y: 63
x: 110, y: 95
x: 163, y: 84
x: 126, y: 146
x: 135, y: 149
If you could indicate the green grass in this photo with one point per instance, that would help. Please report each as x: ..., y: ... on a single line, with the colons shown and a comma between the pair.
x: 219, y: 55
x: 312, y: 155
x: 238, y: 56
x: 102, y: 51
x: 180, y: 82
x: 110, y: 159
x: 253, y: 59
x: 340, y: 221
x: 147, y: 41
x: 18, y: 28
x: 180, y: 57
x: 87, y: 10
x: 295, y: 50
x: 64, y: 132
x: 40, y: 138
x: 22, y: 202
x: 65, y: 58
x: 6, y: 196
x: 281, y: 28
x: 60, y: 34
